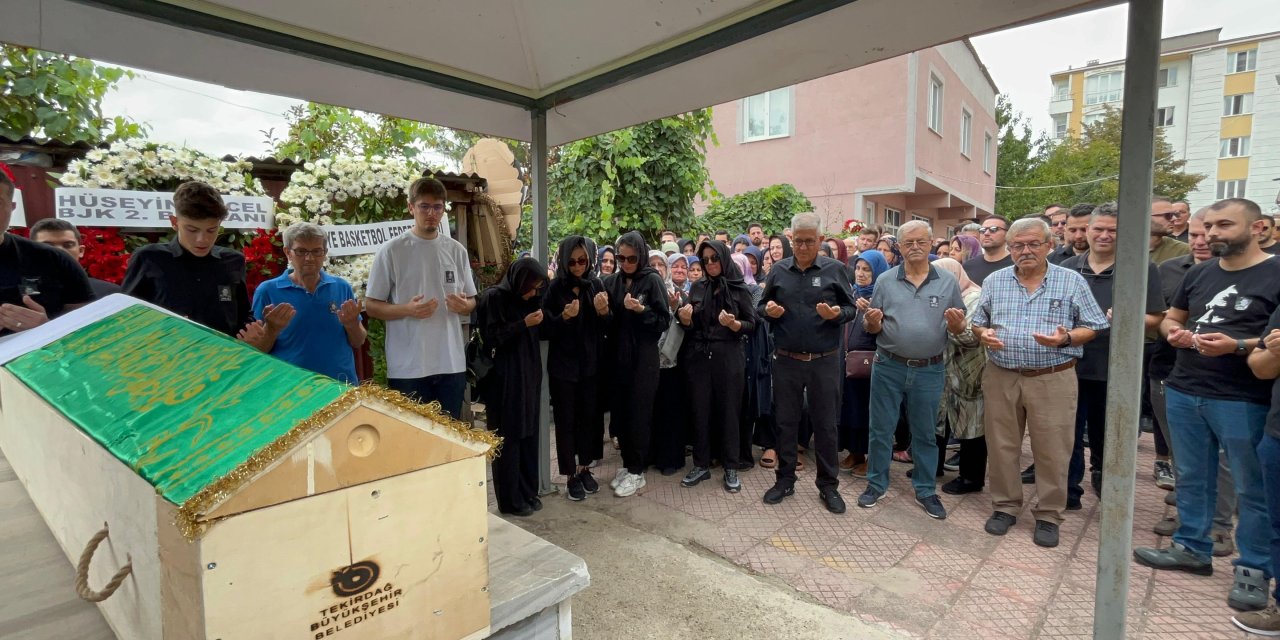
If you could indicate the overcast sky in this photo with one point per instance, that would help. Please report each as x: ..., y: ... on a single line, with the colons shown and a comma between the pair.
x: 219, y: 120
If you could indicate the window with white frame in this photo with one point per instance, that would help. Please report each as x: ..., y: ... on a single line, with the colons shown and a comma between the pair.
x: 1238, y: 104
x: 1167, y: 77
x: 1059, y: 125
x: 892, y: 220
x: 935, y: 103
x: 767, y: 115
x: 1092, y: 118
x: 1241, y: 61
x: 1230, y: 189
x: 966, y: 132
x: 1164, y: 117
x: 869, y: 212
x: 986, y: 153
x: 1234, y: 147
x: 1102, y: 88
x: 922, y: 218
x: 1062, y: 88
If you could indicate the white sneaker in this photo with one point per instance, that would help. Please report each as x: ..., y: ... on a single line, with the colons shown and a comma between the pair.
x: 630, y: 484
x: 622, y: 473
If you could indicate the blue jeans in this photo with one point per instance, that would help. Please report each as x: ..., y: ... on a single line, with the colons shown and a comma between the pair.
x: 1200, y: 426
x: 921, y: 387
x: 446, y: 388
x: 1269, y: 456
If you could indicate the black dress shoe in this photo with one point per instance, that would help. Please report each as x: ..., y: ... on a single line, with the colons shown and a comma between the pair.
x: 535, y: 503
x: 1073, y: 504
x: 1046, y: 534
x: 1095, y: 479
x: 961, y: 486
x: 523, y: 511
x: 999, y: 522
x: 833, y: 500
x: 1029, y: 475
x: 777, y: 492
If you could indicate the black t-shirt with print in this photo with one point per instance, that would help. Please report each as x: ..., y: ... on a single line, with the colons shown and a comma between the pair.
x: 1238, y: 304
x: 1273, y: 416
x: 48, y: 275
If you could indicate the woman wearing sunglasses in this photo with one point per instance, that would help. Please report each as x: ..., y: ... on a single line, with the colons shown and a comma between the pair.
x: 575, y: 330
x: 716, y: 318
x: 638, y: 316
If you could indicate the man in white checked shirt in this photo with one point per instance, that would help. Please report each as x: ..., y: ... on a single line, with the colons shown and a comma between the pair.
x: 1033, y: 319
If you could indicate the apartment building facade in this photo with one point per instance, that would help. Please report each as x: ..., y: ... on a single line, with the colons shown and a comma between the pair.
x: 1218, y: 106
x: 911, y: 137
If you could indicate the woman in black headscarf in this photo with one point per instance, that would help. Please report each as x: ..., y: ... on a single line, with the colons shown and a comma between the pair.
x: 606, y: 261
x: 575, y: 331
x: 509, y: 314
x: 639, y: 314
x: 779, y: 247
x: 717, y: 317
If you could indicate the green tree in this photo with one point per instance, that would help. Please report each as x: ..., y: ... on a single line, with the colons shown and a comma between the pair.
x: 1016, y: 159
x: 771, y: 206
x: 641, y: 178
x: 1082, y: 168
x: 59, y: 97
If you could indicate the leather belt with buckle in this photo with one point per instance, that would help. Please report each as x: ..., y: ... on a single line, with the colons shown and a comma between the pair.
x: 1032, y: 373
x: 911, y: 362
x: 804, y: 357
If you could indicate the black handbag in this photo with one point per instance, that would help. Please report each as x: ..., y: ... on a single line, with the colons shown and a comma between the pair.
x: 479, y: 358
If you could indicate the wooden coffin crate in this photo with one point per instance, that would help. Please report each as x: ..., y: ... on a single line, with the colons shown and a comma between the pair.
x: 251, y: 498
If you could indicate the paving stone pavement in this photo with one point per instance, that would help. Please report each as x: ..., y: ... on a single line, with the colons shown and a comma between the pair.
x: 894, y: 566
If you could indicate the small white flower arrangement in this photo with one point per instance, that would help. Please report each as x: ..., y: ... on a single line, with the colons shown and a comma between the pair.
x: 142, y: 165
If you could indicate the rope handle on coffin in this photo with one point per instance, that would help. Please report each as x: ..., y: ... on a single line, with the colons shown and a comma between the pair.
x: 82, y: 571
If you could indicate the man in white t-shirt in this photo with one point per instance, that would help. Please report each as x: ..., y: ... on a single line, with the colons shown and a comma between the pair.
x: 421, y: 286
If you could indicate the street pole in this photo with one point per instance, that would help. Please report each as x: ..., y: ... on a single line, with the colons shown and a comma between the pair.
x: 1124, y: 388
x: 538, y: 176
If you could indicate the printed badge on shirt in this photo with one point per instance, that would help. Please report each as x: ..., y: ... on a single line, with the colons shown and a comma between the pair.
x: 817, y: 281
x: 933, y: 302
x: 224, y: 293
x: 449, y: 277
x: 1055, y: 304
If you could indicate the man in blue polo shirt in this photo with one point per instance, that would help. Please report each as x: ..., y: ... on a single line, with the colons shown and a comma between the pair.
x: 312, y: 318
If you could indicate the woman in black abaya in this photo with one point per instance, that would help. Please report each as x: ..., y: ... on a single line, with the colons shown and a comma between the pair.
x: 509, y: 314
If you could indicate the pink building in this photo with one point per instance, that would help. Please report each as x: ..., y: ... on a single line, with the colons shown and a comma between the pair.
x: 909, y: 137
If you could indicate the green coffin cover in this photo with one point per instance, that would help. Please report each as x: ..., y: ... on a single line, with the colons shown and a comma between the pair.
x: 181, y: 404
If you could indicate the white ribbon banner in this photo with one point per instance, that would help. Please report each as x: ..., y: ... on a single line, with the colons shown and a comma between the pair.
x: 19, y: 218
x: 359, y: 239
x: 150, y: 209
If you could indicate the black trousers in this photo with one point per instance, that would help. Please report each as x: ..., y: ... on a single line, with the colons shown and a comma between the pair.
x: 855, y: 415
x: 631, y: 420
x: 716, y: 369
x: 821, y: 380
x: 671, y: 427
x: 1091, y: 418
x: 579, y: 435
x: 973, y: 460
x: 515, y: 473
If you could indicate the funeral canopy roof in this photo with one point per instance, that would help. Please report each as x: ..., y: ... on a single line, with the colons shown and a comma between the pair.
x: 484, y: 65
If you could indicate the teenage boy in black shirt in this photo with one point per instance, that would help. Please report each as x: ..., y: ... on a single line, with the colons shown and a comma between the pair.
x: 36, y: 282
x: 193, y: 277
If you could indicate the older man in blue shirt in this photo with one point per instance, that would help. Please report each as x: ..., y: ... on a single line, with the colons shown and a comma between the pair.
x: 311, y: 318
x: 1033, y: 318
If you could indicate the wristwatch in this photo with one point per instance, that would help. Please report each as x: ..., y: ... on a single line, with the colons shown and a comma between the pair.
x: 1066, y: 343
x: 1241, y: 348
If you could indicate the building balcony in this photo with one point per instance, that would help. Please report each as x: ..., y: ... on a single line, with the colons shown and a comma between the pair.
x: 1060, y: 105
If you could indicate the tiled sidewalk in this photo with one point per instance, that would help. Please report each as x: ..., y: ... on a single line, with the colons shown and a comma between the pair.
x: 893, y: 565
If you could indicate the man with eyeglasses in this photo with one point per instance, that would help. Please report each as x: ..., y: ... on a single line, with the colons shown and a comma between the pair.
x: 1033, y: 319
x: 806, y: 299
x: 1097, y: 266
x: 421, y: 286
x: 1056, y: 216
x: 1163, y: 247
x: 995, y: 253
x: 312, y: 318
x: 1266, y: 240
x: 912, y: 311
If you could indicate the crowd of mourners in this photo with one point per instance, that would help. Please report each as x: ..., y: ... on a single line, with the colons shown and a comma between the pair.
x: 730, y: 352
